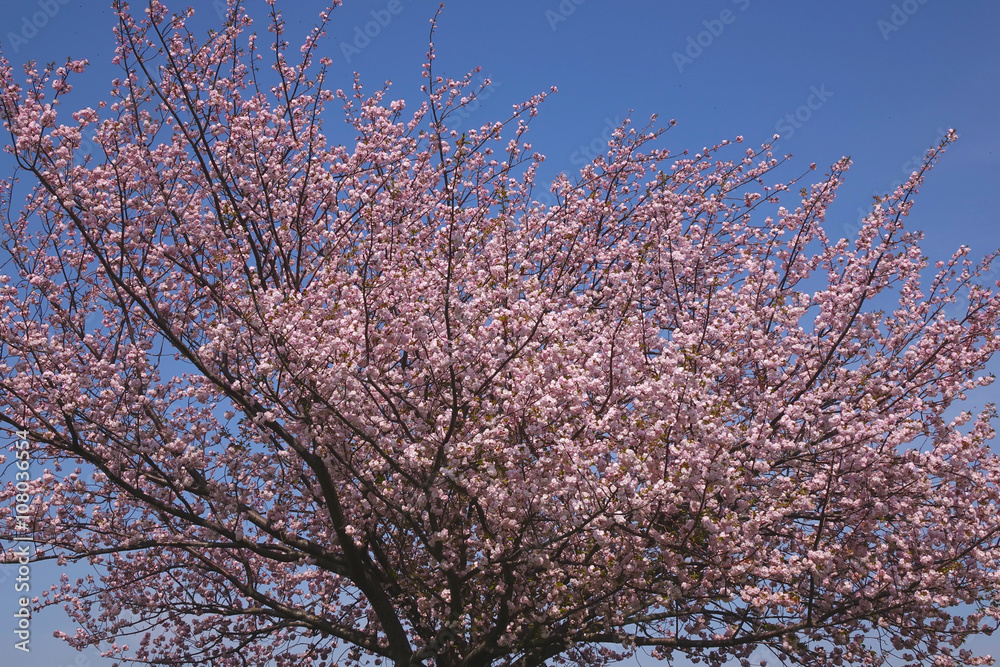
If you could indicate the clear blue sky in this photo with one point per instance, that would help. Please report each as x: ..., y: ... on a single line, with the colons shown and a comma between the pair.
x: 873, y: 79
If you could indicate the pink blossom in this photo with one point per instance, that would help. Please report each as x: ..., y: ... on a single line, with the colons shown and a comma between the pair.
x: 288, y: 394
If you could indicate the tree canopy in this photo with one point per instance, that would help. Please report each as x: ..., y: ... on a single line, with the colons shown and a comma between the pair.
x: 307, y: 402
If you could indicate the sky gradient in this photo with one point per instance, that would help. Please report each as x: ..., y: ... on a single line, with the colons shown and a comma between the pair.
x: 878, y: 80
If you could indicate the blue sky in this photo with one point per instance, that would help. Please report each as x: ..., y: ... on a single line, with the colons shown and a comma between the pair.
x: 876, y: 79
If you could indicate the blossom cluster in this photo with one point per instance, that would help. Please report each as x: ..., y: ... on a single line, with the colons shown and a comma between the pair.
x: 305, y: 401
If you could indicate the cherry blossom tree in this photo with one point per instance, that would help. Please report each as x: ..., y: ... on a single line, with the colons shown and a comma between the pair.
x: 308, y: 403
